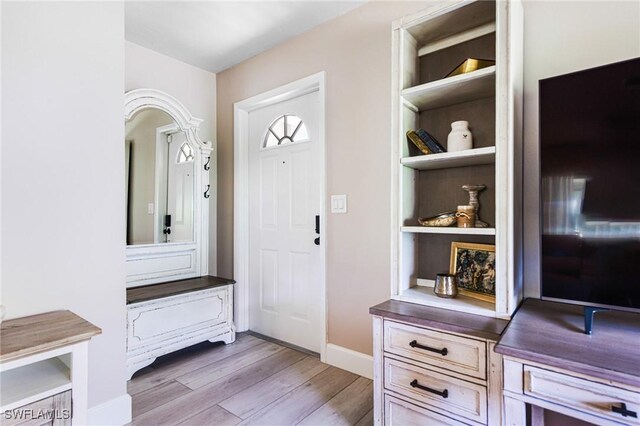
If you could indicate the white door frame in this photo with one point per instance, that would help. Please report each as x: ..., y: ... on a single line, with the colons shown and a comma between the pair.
x: 161, y: 164
x: 241, y: 110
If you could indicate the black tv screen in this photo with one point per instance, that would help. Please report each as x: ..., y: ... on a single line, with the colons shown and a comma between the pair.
x: 590, y: 186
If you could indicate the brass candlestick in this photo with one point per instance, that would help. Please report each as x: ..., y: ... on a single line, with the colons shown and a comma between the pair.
x: 473, y: 191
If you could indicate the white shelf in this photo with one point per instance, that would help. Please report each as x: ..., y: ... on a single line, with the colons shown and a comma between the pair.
x: 425, y: 296
x: 457, y: 19
x: 453, y: 90
x: 448, y: 230
x: 468, y: 157
x: 33, y: 382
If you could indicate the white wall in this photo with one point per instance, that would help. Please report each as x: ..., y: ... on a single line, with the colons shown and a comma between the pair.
x: 561, y: 37
x: 196, y: 89
x: 62, y: 182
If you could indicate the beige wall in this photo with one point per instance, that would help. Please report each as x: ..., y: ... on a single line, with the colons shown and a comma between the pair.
x: 561, y: 37
x: 62, y: 176
x: 355, y: 52
x: 195, y: 88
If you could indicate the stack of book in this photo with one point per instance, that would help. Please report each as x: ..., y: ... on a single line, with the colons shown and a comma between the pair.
x: 426, y: 143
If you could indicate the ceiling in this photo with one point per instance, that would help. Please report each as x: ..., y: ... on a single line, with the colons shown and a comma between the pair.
x: 215, y: 35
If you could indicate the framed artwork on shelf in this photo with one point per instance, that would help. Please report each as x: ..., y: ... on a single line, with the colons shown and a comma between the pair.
x: 474, y: 266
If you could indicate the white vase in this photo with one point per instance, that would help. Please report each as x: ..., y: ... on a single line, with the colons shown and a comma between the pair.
x: 460, y: 137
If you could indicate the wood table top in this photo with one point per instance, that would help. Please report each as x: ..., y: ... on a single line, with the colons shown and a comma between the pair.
x: 21, y: 337
x: 552, y: 333
x: 441, y: 319
x: 173, y: 288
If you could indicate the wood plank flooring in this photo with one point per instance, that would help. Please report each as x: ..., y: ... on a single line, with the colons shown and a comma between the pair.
x: 249, y: 382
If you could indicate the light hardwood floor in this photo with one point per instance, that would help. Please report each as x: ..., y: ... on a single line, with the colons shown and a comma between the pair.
x: 251, y: 381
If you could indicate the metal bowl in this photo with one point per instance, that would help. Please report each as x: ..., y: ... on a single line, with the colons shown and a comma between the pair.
x: 439, y: 220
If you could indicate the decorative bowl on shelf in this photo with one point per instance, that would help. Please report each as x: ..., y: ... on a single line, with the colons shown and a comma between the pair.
x: 439, y: 220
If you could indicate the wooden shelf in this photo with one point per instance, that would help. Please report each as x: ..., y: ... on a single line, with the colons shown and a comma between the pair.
x: 22, y: 337
x: 448, y: 230
x: 33, y: 382
x: 453, y: 90
x: 469, y: 157
x: 424, y: 295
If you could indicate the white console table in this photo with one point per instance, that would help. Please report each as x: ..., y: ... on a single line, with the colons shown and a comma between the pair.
x: 44, y: 369
x: 550, y: 365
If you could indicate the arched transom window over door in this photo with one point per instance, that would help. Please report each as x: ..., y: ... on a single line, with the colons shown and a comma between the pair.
x: 185, y: 155
x: 284, y: 130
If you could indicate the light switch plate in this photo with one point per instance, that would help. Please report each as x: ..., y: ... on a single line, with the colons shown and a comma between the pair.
x: 150, y: 208
x: 338, y: 203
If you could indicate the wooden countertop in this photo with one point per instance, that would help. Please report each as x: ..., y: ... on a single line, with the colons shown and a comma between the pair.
x: 26, y: 336
x: 442, y: 319
x: 552, y: 333
x: 172, y: 288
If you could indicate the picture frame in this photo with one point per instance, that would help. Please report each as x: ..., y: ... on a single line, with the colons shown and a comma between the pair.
x: 474, y: 267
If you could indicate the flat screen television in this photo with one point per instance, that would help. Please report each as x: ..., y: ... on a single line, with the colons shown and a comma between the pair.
x: 590, y: 186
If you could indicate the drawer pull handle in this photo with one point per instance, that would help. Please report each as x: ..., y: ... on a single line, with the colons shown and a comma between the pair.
x: 415, y: 344
x: 623, y: 410
x: 444, y: 393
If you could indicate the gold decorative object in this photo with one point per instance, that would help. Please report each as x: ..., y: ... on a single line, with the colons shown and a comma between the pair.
x: 439, y: 220
x: 469, y: 65
x: 466, y: 217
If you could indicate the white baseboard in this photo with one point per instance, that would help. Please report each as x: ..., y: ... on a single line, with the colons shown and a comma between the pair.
x: 349, y: 360
x: 111, y: 413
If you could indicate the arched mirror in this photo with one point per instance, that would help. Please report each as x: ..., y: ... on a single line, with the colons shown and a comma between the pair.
x: 166, y: 189
x: 159, y: 176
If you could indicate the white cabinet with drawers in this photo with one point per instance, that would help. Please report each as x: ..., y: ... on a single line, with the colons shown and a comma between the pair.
x: 594, y: 400
x: 550, y: 365
x: 431, y: 373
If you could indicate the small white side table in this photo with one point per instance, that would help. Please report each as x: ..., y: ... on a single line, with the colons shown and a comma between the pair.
x: 44, y: 367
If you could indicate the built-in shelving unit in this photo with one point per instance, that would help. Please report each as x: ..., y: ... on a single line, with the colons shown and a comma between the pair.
x: 426, y: 47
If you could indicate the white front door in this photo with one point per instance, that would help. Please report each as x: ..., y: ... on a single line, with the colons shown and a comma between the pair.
x: 285, y: 288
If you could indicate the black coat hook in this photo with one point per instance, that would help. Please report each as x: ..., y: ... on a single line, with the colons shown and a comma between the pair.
x: 206, y: 193
x: 206, y: 165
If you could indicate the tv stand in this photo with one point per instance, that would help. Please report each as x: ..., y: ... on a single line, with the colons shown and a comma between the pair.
x: 549, y: 364
x: 589, y: 312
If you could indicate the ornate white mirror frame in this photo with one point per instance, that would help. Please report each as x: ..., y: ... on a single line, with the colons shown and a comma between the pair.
x: 154, y: 263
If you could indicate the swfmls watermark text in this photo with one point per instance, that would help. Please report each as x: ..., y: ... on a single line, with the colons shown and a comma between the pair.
x: 31, y: 414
